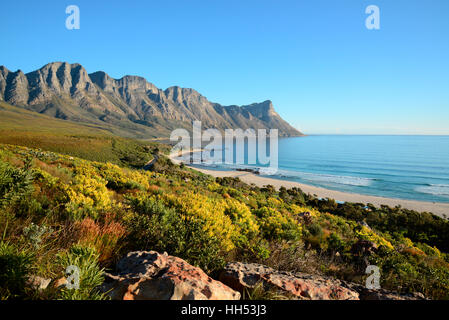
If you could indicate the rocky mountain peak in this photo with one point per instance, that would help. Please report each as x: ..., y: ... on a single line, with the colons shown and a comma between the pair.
x: 101, y: 79
x: 180, y: 95
x: 4, y: 70
x: 132, y: 103
x: 125, y: 84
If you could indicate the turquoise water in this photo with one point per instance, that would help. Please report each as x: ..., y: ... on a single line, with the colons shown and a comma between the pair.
x: 406, y: 167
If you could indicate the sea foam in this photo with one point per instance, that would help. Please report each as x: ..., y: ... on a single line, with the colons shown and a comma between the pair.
x: 435, y: 189
x: 326, y: 178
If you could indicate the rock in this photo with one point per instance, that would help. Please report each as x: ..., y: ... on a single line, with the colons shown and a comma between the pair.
x: 240, y: 276
x: 382, y: 294
x: 60, y: 282
x: 38, y: 283
x: 364, y: 247
x: 148, y: 275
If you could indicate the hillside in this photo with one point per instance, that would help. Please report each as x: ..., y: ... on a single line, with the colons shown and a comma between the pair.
x: 73, y: 191
x: 83, y: 193
x: 130, y: 106
x: 59, y: 210
x: 93, y: 142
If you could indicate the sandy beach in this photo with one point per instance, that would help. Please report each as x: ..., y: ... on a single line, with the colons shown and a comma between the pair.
x: 435, y: 207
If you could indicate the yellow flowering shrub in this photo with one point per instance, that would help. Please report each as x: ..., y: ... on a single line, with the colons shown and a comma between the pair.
x: 295, y: 209
x: 45, y: 177
x: 273, y: 224
x: 120, y: 178
x: 422, y: 250
x: 408, y: 242
x: 431, y: 251
x: 211, y: 211
x: 242, y: 217
x: 273, y: 202
x: 213, y: 187
x: 87, y: 194
x: 367, y: 234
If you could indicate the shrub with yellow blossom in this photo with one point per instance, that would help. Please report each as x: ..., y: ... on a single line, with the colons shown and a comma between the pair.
x: 274, y: 225
x: 209, y: 210
x: 87, y: 194
x: 365, y: 233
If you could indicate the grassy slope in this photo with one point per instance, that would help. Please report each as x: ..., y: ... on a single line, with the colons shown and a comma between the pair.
x: 92, y: 142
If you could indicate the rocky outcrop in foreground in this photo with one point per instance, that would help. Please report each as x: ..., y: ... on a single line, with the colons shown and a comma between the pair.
x: 242, y: 276
x: 148, y: 275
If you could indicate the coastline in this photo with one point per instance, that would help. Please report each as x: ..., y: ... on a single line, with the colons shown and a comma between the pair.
x: 436, y: 208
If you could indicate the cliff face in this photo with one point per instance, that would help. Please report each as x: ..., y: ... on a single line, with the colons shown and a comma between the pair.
x: 67, y: 91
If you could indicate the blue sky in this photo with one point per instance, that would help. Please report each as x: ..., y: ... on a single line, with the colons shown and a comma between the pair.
x: 323, y: 70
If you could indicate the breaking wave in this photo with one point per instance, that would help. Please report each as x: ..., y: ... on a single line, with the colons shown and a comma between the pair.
x: 435, y: 189
x: 325, y: 178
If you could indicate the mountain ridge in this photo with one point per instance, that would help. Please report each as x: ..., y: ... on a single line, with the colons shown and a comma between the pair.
x: 137, y: 106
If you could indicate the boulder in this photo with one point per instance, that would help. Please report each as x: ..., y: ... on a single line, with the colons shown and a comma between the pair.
x: 38, y: 283
x: 60, y: 282
x: 148, y: 275
x: 241, y: 276
x: 381, y: 294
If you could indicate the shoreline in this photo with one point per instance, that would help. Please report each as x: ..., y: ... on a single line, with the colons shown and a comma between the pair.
x: 437, y: 208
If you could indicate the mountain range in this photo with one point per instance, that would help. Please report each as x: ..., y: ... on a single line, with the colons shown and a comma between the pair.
x: 131, y: 105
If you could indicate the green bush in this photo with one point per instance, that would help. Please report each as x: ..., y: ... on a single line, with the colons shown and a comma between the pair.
x: 260, y: 292
x: 15, y: 266
x: 275, y: 226
x: 34, y: 233
x: 399, y: 222
x: 335, y: 243
x: 156, y: 227
x: 15, y: 184
x: 90, y: 274
x: 315, y: 230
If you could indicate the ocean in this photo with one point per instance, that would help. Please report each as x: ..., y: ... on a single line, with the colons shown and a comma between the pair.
x: 404, y: 167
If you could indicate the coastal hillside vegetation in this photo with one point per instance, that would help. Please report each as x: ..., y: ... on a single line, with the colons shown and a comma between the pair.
x: 61, y: 207
x: 92, y: 142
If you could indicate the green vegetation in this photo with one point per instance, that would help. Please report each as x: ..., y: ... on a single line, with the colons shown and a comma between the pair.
x: 92, y: 142
x: 90, y: 274
x: 154, y: 226
x: 66, y: 210
x: 258, y: 292
x: 420, y: 227
x: 15, y: 265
